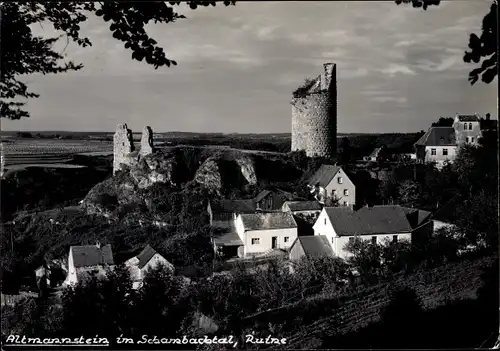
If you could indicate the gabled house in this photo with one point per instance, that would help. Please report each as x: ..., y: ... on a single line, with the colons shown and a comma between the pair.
x: 467, y: 128
x: 302, y: 207
x: 222, y: 212
x: 440, y: 144
x: 376, y: 155
x: 264, y: 232
x: 437, y: 145
x: 272, y: 200
x: 146, y: 260
x: 311, y: 247
x: 331, y: 182
x: 87, y: 261
x: 377, y: 224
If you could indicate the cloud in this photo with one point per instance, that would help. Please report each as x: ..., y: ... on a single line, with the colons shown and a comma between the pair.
x: 394, y: 69
x: 238, y: 65
x: 383, y: 99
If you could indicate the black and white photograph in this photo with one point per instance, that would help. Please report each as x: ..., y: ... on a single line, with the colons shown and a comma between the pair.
x: 223, y: 175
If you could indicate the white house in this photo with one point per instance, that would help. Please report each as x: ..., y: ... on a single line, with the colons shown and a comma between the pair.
x: 147, y: 259
x: 306, y: 208
x: 377, y: 224
x: 87, y: 261
x: 264, y: 232
x: 331, y: 182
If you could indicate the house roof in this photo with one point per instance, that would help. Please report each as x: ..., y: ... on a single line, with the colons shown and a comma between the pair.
x: 375, y: 152
x: 368, y: 220
x: 146, y: 254
x: 91, y: 255
x: 230, y: 238
x: 233, y: 206
x: 261, y: 195
x: 438, y: 136
x: 315, y: 245
x: 416, y: 216
x: 268, y: 220
x: 324, y: 175
x: 303, y: 205
x: 468, y: 118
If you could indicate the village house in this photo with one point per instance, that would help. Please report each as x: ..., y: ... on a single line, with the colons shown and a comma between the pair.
x: 146, y: 260
x: 272, y: 200
x: 87, y: 261
x: 377, y: 155
x: 331, y: 182
x: 222, y: 212
x: 256, y: 234
x: 306, y: 208
x: 440, y: 145
x: 314, y: 246
x: 337, y: 226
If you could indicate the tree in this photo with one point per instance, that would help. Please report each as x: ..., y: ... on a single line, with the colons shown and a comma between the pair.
x: 443, y: 122
x: 365, y: 257
x: 482, y: 48
x: 22, y: 53
x: 409, y: 193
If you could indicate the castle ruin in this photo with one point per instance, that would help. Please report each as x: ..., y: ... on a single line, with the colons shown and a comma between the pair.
x: 124, y: 152
x: 314, y: 115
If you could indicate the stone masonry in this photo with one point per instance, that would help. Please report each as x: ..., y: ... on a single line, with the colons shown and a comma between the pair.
x: 146, y: 141
x: 314, y: 117
x: 123, y: 146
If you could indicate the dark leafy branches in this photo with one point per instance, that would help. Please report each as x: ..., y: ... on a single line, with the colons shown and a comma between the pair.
x: 483, y: 47
x: 22, y: 53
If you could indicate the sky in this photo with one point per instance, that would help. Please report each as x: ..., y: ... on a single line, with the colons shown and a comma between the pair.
x: 398, y: 70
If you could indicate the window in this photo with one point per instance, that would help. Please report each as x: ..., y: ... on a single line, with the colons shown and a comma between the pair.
x: 334, y: 192
x: 287, y: 239
x: 332, y: 239
x: 339, y: 180
x: 470, y: 126
x: 433, y: 151
x: 471, y: 139
x: 394, y: 238
x: 346, y: 192
x: 445, y: 152
x: 255, y: 241
x: 466, y: 139
x: 325, y: 221
x: 346, y: 203
x: 374, y: 240
x: 465, y: 126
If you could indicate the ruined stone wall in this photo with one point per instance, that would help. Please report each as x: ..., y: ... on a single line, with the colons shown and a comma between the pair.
x: 123, y: 145
x: 146, y: 141
x: 314, y: 118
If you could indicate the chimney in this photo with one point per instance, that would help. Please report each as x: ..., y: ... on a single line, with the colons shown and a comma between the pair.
x: 488, y: 116
x: 329, y: 75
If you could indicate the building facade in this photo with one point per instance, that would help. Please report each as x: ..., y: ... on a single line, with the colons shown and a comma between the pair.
x: 331, y: 182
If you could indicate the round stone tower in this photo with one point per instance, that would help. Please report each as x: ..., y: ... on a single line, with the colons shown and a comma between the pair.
x: 314, y: 115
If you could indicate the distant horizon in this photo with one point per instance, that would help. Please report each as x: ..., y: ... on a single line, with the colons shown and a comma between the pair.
x: 180, y: 132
